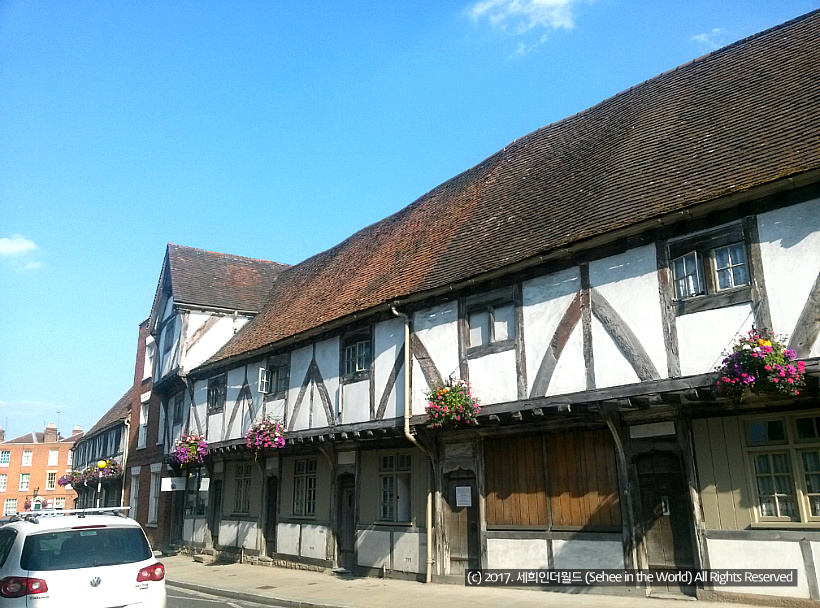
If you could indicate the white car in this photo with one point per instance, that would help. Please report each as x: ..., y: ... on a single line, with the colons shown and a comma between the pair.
x: 79, y: 557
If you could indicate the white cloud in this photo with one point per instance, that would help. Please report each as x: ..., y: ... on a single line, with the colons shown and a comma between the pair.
x: 712, y: 40
x: 16, y: 245
x: 18, y: 250
x: 524, y: 18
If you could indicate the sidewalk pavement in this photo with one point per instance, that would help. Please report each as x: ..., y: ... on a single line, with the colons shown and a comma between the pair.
x: 306, y: 589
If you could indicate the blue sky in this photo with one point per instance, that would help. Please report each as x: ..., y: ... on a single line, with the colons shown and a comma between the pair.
x: 267, y: 129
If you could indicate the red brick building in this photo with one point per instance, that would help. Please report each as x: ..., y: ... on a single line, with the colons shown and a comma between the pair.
x: 30, y: 466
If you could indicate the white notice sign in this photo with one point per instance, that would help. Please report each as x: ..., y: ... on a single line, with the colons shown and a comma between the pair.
x: 464, y: 497
x: 171, y: 484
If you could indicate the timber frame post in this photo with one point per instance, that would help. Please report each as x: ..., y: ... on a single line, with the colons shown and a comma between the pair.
x: 612, y: 418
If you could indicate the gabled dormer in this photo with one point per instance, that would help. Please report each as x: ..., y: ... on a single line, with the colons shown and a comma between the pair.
x: 203, y: 298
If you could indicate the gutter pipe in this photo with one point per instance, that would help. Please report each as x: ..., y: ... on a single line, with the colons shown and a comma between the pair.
x: 412, y: 439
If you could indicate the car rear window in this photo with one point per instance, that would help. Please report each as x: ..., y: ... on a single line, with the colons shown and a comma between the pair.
x: 7, y: 537
x: 70, y: 549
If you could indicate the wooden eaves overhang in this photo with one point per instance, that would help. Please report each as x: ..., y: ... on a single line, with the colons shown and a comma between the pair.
x: 689, y: 397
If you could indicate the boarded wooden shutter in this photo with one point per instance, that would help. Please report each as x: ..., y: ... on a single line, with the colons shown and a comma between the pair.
x: 515, y: 482
x: 583, y: 480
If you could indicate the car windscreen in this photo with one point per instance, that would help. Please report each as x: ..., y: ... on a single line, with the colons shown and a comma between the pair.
x: 84, y: 548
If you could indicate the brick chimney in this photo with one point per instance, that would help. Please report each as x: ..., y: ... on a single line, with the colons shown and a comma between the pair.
x: 2, y: 435
x: 51, y: 433
x: 78, y: 430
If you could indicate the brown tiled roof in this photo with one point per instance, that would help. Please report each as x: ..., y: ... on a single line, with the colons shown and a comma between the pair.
x: 36, y: 437
x: 219, y: 280
x: 740, y: 117
x: 119, y: 413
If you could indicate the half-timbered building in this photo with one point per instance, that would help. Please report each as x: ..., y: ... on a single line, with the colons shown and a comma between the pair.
x: 106, y: 441
x: 585, y: 281
x: 203, y: 298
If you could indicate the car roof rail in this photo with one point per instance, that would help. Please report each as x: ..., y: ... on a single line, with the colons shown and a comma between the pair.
x: 33, y: 515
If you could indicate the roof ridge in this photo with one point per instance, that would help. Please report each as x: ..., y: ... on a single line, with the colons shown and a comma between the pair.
x: 227, y: 255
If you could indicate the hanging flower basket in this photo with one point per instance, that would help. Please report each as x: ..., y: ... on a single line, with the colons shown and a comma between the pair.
x: 451, y: 404
x: 265, y: 434
x: 760, y: 363
x: 189, y: 450
x: 110, y: 470
x: 72, y: 478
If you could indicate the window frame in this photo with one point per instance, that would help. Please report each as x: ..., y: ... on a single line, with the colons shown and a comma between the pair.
x: 4, y: 482
x: 53, y: 458
x: 276, y: 375
x: 350, y: 341
x: 392, y: 472
x: 304, y: 493
x: 242, y: 489
x: 217, y: 393
x: 489, y: 303
x: 703, y: 246
x: 153, y: 498
x: 10, y: 502
x: 27, y: 458
x: 51, y: 480
x: 179, y: 407
x: 794, y: 447
x: 24, y: 477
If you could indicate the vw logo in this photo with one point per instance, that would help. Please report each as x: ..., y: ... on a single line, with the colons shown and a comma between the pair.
x: 95, y: 582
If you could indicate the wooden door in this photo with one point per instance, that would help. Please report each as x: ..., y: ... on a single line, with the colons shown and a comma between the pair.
x: 346, y: 534
x: 665, y: 508
x: 461, y: 520
x: 270, y: 515
x: 216, y: 510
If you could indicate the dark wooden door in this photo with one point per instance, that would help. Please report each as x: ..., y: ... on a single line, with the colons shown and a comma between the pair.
x: 665, y: 511
x: 461, y: 520
x: 346, y: 535
x: 270, y: 516
x: 216, y: 509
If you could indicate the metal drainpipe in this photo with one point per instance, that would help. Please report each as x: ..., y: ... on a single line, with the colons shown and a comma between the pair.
x: 124, y: 462
x: 412, y: 439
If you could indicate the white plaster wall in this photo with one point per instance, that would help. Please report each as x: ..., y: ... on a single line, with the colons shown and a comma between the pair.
x: 545, y: 301
x: 287, y: 538
x: 327, y: 358
x: 373, y: 548
x: 815, y: 553
x: 388, y: 343
x: 299, y: 363
x: 611, y: 367
x: 436, y: 328
x: 743, y: 554
x: 228, y: 532
x: 418, y: 401
x: 201, y: 404
x: 199, y: 530
x: 256, y: 412
x: 211, y: 341
x: 236, y: 379
x: 629, y: 281
x: 275, y: 409
x: 356, y: 402
x: 517, y: 553
x: 704, y: 336
x: 570, y: 372
x: 247, y: 534
x: 591, y: 554
x: 188, y: 530
x: 790, y: 248
x: 409, y: 551
x: 314, y: 541
x: 493, y: 378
